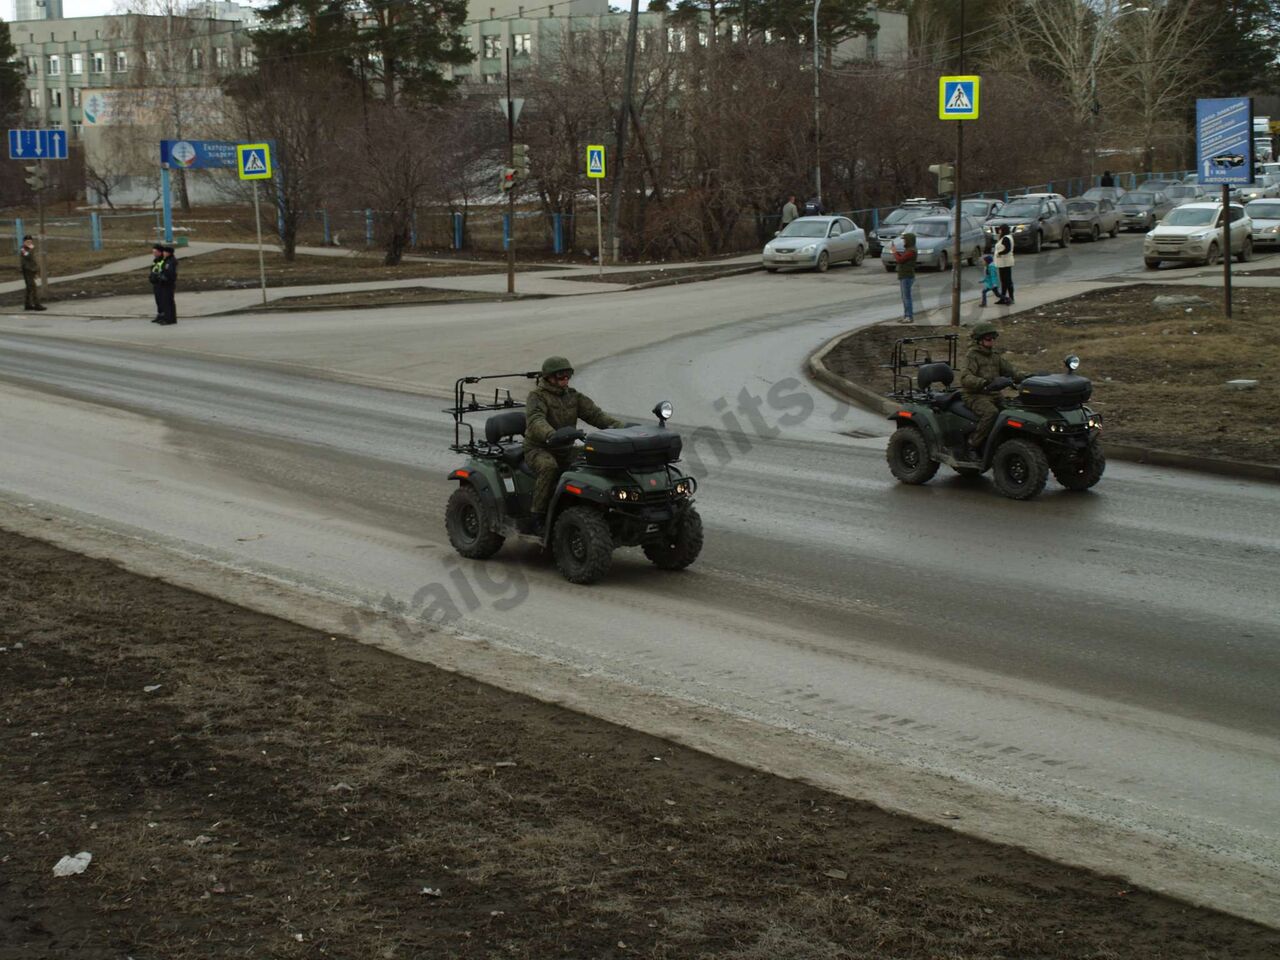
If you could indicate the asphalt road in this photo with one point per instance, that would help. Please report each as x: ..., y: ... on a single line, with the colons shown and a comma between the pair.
x: 1104, y: 663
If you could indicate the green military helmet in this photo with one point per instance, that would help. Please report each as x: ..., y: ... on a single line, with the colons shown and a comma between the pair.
x: 984, y: 330
x: 555, y: 365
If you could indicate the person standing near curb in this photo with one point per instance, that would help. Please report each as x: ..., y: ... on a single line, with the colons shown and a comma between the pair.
x: 789, y: 211
x: 164, y: 275
x: 906, y: 259
x: 30, y: 273
x: 1004, y: 264
x: 157, y: 264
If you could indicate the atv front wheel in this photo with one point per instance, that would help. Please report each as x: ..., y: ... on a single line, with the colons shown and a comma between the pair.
x: 469, y: 523
x: 582, y: 545
x: 1083, y: 471
x: 1019, y: 469
x: 678, y: 551
x: 908, y: 456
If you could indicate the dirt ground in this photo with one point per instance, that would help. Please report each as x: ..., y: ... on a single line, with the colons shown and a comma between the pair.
x: 362, y: 300
x: 227, y: 269
x: 249, y: 788
x: 1158, y: 373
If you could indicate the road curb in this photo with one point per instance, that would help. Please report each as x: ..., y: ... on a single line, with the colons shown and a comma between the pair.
x: 877, y: 403
x: 672, y: 281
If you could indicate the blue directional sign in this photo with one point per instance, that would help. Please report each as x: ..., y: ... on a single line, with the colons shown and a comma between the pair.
x: 1224, y: 140
x: 197, y: 154
x: 37, y: 145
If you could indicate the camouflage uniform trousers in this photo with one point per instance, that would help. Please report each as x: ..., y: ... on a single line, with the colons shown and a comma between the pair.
x: 547, y: 467
x: 987, y: 408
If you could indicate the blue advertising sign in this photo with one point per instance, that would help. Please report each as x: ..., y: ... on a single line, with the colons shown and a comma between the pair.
x: 1224, y: 140
x: 197, y: 154
x: 37, y: 145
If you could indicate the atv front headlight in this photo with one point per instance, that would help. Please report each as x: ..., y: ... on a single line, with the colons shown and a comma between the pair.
x: 1057, y: 428
x: 626, y: 494
x: 1095, y: 421
x: 685, y: 487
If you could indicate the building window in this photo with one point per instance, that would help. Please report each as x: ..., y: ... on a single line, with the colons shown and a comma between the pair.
x: 53, y: 66
x: 492, y: 77
x: 33, y: 66
x: 150, y: 59
x: 675, y: 39
x: 98, y: 64
x: 77, y: 64
x: 222, y: 57
x: 120, y: 61
x: 77, y: 129
x: 33, y: 98
x: 247, y: 57
x: 197, y: 58
x: 492, y: 45
x: 521, y: 44
x: 75, y: 96
x: 55, y: 97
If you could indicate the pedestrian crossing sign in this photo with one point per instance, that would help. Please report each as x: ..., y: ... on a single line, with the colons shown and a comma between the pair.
x: 958, y: 98
x: 253, y: 161
x: 595, y: 161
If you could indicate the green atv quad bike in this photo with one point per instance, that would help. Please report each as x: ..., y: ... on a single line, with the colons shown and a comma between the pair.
x: 1046, y: 428
x: 622, y: 490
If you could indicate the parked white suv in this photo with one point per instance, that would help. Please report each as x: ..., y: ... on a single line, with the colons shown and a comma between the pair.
x: 1193, y: 232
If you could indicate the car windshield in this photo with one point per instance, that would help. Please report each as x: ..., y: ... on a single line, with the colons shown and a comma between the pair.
x: 1264, y: 210
x: 805, y: 228
x: 1086, y: 207
x: 931, y: 228
x: 1138, y: 200
x: 1179, y: 192
x: 1015, y: 208
x: 1191, y: 217
x: 975, y: 208
x: 906, y: 215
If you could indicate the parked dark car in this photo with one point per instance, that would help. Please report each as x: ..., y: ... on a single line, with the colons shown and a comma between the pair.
x: 1033, y: 221
x: 895, y: 224
x: 1143, y: 209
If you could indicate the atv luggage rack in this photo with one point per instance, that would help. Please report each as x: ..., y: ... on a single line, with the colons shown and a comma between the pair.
x: 907, y: 357
x: 462, y: 406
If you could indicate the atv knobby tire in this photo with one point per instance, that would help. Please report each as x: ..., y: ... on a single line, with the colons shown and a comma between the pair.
x: 908, y: 456
x: 582, y: 545
x: 469, y: 523
x: 680, y: 550
x: 1019, y: 469
x: 1081, y: 473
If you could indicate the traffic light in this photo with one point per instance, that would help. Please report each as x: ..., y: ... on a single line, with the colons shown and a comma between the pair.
x: 520, y: 159
x: 508, y: 178
x: 945, y: 173
x: 37, y: 177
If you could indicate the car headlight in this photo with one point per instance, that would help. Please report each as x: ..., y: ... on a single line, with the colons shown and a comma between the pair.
x: 873, y: 235
x: 810, y: 248
x: 626, y: 494
x: 1020, y: 228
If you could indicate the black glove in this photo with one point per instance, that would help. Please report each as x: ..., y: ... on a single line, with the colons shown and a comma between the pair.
x: 565, y: 436
x: 999, y: 383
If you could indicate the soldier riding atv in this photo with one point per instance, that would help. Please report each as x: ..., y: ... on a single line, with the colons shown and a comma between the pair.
x: 619, y: 489
x: 1047, y: 427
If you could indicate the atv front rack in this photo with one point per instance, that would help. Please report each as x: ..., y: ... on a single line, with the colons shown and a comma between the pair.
x: 462, y: 406
x: 901, y: 364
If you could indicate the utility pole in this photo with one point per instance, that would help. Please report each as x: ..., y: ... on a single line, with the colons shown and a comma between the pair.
x: 511, y: 194
x: 620, y: 138
x: 956, y: 251
x: 817, y: 110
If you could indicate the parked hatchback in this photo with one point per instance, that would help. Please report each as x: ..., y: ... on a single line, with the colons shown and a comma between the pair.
x: 1264, y: 215
x: 1033, y: 222
x: 815, y: 243
x: 1193, y: 232
x: 1143, y: 209
x: 1090, y: 219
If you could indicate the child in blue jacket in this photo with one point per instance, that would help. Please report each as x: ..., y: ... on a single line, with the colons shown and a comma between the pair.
x: 990, y: 281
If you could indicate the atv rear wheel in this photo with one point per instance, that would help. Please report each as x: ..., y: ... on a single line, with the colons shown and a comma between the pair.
x: 469, y: 522
x: 908, y: 456
x: 1019, y: 469
x: 582, y: 545
x: 678, y: 551
x: 1083, y: 471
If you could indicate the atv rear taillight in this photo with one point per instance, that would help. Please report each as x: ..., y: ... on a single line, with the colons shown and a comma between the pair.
x: 461, y: 474
x: 905, y: 413
x: 1015, y: 423
x: 570, y: 488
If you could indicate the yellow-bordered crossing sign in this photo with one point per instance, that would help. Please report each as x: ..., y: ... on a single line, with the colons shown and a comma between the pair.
x: 253, y: 161
x: 595, y: 161
x: 958, y: 98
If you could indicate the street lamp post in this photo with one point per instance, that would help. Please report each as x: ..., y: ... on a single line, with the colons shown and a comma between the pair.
x: 817, y: 109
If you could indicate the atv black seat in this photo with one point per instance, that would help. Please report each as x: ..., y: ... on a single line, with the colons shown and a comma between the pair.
x: 504, y: 426
x: 956, y: 405
x: 931, y: 373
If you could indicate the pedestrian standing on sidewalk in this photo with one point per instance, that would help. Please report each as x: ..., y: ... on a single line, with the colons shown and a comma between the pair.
x: 30, y: 273
x: 789, y: 211
x: 157, y: 264
x: 1004, y: 264
x: 906, y: 260
x: 164, y: 275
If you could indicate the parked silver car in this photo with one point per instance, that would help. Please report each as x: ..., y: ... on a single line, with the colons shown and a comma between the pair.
x: 1142, y: 209
x: 814, y: 243
x: 1186, y: 193
x: 1265, y: 186
x: 1090, y: 219
x: 980, y: 207
x: 1103, y: 193
x: 935, y: 242
x: 1193, y: 232
x: 1265, y: 218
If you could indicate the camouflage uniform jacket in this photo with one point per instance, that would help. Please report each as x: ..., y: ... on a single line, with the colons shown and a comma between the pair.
x: 981, y: 366
x: 551, y: 406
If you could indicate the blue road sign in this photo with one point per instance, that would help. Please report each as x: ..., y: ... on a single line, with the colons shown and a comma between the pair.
x: 958, y: 98
x: 1224, y: 140
x: 197, y: 154
x: 37, y: 145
